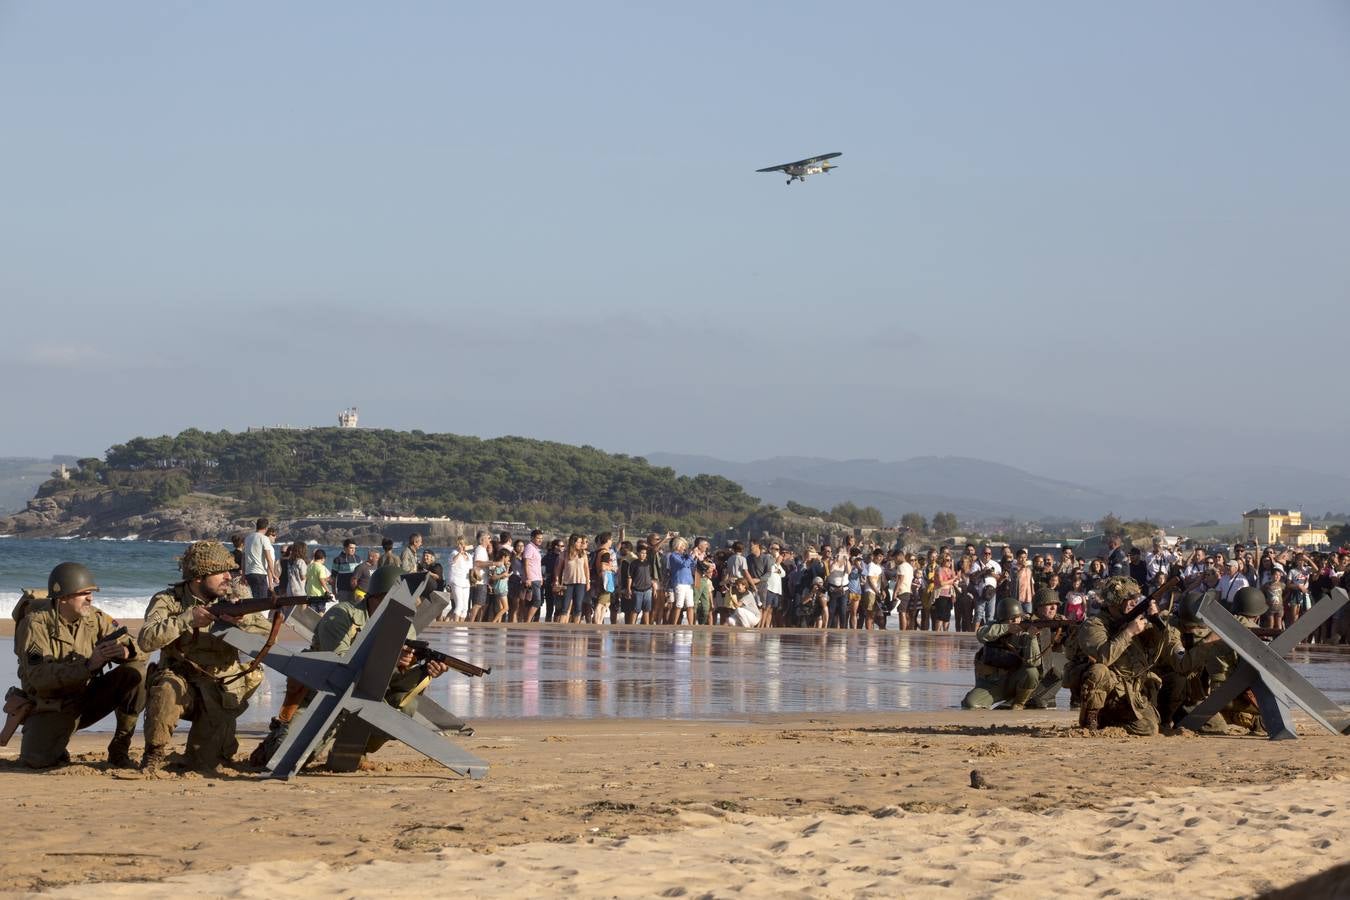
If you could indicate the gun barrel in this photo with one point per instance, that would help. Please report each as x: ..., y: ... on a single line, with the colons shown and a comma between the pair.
x: 423, y: 651
x: 263, y: 604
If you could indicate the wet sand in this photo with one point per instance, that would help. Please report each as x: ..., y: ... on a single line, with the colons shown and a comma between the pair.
x: 797, y: 805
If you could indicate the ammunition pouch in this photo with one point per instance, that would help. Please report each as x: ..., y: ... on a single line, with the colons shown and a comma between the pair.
x: 998, y: 657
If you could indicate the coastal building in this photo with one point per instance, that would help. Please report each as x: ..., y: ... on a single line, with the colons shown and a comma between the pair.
x: 1264, y: 525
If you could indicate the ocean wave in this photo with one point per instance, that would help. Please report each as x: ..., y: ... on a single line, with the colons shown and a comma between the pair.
x: 118, y: 604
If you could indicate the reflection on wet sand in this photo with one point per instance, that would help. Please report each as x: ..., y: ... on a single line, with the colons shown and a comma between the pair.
x: 723, y: 673
x: 588, y: 672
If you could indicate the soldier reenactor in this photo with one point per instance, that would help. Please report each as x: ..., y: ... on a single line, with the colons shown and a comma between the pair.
x: 1007, y: 664
x: 1183, y: 691
x: 334, y: 634
x: 1249, y: 605
x: 64, y: 644
x: 1115, y: 655
x: 199, y: 677
x: 1052, y: 639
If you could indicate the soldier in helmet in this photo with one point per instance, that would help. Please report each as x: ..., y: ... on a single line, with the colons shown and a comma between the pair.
x: 1182, y: 691
x: 199, y: 676
x: 1053, y: 639
x: 1249, y: 605
x: 1007, y: 666
x: 1115, y: 657
x: 334, y: 634
x: 63, y: 649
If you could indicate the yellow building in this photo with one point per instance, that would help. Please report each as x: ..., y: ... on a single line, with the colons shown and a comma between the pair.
x: 1303, y: 535
x: 1281, y: 526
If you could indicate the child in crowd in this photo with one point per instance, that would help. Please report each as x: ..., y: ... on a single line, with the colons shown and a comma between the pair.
x: 499, y: 577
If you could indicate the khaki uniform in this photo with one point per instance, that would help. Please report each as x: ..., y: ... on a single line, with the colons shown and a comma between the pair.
x: 994, y: 684
x: 1220, y: 662
x: 1053, y: 662
x: 53, y: 672
x: 334, y: 634
x: 338, y: 629
x: 1116, y: 675
x: 195, y: 679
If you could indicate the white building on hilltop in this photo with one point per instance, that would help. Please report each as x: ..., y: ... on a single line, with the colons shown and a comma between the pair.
x: 347, y: 418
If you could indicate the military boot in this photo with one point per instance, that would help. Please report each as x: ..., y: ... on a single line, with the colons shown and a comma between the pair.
x: 1089, y: 719
x: 119, y: 751
x: 154, y: 760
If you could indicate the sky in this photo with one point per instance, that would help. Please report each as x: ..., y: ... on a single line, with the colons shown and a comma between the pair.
x: 1076, y: 238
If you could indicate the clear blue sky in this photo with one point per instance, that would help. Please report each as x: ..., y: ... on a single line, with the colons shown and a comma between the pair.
x: 1063, y: 236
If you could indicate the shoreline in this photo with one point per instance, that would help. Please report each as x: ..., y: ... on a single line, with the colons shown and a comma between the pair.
x: 565, y: 790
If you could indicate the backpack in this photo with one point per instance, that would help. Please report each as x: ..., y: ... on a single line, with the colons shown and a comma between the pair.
x: 27, y: 600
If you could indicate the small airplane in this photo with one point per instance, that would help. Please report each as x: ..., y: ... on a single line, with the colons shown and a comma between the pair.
x: 797, y: 171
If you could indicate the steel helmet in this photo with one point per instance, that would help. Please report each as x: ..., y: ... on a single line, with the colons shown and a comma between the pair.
x: 383, y: 580
x: 69, y: 578
x: 1250, y: 602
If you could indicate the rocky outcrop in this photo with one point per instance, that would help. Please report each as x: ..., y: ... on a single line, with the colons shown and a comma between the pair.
x: 107, y: 512
x: 115, y: 513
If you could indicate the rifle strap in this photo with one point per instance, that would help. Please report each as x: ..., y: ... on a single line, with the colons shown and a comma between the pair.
x: 414, y: 693
x: 277, y: 620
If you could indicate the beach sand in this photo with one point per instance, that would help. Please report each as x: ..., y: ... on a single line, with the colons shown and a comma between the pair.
x: 847, y: 805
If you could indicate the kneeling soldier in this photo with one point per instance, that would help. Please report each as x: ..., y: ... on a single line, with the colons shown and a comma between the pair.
x: 334, y: 634
x: 1052, y: 638
x: 199, y: 676
x: 63, y: 647
x: 1007, y: 666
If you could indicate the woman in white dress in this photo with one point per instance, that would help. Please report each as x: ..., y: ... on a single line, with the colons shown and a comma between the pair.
x: 746, y: 612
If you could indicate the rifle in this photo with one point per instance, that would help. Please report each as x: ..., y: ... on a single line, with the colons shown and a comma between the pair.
x: 236, y: 608
x: 1049, y: 623
x: 1141, y: 608
x: 17, y: 708
x: 115, y: 636
x: 423, y: 652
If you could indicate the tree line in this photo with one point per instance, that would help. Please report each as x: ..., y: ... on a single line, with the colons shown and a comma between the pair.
x: 323, y: 470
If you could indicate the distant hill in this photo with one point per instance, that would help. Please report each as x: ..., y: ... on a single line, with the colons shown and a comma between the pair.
x: 320, y: 471
x: 20, y: 477
x: 978, y: 489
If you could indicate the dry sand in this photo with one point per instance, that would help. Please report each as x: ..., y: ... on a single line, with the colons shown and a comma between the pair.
x: 827, y: 806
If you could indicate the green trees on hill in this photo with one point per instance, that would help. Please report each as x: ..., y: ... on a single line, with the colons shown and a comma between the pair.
x: 322, y: 470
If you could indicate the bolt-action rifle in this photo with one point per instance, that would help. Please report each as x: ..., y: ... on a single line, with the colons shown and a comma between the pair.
x: 422, y: 652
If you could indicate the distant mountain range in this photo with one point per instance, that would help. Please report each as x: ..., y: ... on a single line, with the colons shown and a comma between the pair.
x: 976, y: 489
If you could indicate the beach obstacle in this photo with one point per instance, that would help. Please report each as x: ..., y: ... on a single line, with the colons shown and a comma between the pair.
x: 349, y: 695
x: 1263, y: 669
x: 304, y: 620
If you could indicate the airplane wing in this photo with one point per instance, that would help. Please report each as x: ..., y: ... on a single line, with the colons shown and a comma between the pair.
x: 801, y: 162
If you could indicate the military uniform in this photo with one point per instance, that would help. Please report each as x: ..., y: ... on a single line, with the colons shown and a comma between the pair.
x: 1116, y: 674
x: 335, y: 633
x: 54, y: 674
x: 1016, y: 674
x: 1053, y: 663
x: 198, y: 678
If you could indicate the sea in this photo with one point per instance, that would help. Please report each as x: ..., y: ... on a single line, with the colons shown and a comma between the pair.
x: 128, y: 571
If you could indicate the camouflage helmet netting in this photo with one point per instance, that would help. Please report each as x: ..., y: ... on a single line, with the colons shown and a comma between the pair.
x: 207, y: 558
x: 1118, y: 589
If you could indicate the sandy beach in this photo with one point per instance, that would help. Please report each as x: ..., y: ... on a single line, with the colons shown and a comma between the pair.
x: 803, y: 806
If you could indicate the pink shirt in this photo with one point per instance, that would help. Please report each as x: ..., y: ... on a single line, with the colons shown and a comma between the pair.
x: 533, y: 568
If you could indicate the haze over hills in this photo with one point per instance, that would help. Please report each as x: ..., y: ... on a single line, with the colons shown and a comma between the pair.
x: 978, y: 489
x: 20, y: 477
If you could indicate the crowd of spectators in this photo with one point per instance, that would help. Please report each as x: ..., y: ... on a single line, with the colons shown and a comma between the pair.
x: 670, y: 579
